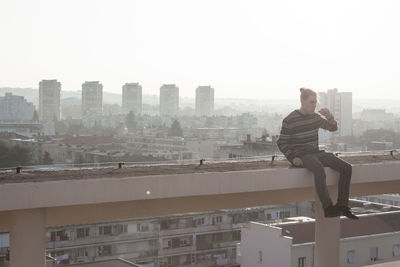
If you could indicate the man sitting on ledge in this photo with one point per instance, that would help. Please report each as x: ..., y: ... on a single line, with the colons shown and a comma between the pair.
x: 298, y: 141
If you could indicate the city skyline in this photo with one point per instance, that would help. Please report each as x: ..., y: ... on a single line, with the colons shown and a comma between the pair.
x: 270, y: 52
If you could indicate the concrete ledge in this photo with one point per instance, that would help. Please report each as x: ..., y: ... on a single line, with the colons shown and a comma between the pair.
x: 89, y: 200
x: 114, y: 189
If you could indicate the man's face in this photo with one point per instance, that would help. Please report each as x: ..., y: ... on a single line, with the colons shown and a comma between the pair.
x: 309, y: 104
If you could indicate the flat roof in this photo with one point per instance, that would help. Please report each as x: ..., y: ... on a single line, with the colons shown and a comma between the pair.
x: 368, y: 224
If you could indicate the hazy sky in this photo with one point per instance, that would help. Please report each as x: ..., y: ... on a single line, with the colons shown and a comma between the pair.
x: 244, y: 49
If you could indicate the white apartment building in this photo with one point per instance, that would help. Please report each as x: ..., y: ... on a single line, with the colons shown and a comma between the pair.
x: 374, y: 238
x: 340, y: 105
x: 169, y: 100
x: 49, y: 100
x: 132, y: 98
x: 15, y: 108
x: 92, y: 98
x: 204, y: 101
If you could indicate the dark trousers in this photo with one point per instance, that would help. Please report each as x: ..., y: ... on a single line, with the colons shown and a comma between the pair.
x: 315, y: 162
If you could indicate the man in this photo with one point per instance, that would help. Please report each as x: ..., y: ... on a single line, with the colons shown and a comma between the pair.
x: 298, y: 141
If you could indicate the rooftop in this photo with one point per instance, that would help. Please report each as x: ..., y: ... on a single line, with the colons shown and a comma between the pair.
x: 54, y: 173
x: 368, y: 224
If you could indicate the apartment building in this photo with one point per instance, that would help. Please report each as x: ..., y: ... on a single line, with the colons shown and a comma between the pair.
x: 194, y: 239
x: 92, y: 98
x: 49, y: 100
x: 374, y: 238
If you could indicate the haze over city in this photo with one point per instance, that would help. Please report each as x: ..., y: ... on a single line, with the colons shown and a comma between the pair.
x: 188, y: 133
x: 244, y: 49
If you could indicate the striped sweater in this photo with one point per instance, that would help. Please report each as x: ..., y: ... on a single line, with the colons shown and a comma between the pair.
x: 299, y: 133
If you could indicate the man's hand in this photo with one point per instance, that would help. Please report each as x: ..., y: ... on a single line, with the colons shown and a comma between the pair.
x: 297, y: 161
x: 325, y: 112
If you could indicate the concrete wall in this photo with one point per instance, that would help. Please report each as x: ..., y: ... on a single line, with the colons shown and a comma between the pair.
x: 306, y: 251
x: 264, y: 246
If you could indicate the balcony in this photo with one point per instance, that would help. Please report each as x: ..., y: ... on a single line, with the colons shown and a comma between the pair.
x: 32, y: 201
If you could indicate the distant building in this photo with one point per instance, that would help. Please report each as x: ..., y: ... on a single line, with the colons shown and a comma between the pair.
x: 378, y: 145
x: 388, y: 199
x: 376, y: 115
x: 204, y: 101
x: 92, y: 98
x: 27, y: 129
x: 49, y: 100
x: 172, y: 148
x: 132, y: 98
x: 15, y: 108
x: 374, y: 238
x: 370, y: 119
x: 340, y: 105
x: 262, y: 146
x: 169, y: 100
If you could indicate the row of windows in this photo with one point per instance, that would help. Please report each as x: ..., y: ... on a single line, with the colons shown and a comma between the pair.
x: 351, y: 255
x: 85, y: 232
x: 373, y: 253
x: 220, y: 258
x: 167, y: 224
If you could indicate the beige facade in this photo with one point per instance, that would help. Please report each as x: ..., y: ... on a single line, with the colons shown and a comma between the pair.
x: 368, y: 241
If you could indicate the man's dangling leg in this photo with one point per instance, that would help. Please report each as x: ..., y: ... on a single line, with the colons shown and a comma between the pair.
x: 312, y: 163
x: 345, y: 171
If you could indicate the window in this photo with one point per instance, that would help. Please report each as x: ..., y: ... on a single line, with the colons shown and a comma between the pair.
x: 200, y: 221
x: 167, y: 244
x: 193, y: 258
x: 302, y: 262
x: 81, y: 252
x: 351, y: 257
x: 253, y: 215
x: 82, y: 232
x: 374, y: 254
x: 164, y: 224
x: 217, y: 220
x: 281, y: 215
x: 166, y: 262
x: 236, y: 235
x: 217, y: 237
x: 119, y: 229
x: 104, y: 250
x: 105, y: 230
x: 59, y: 236
x: 144, y: 227
x: 184, y: 242
x: 396, y: 250
x: 260, y: 257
